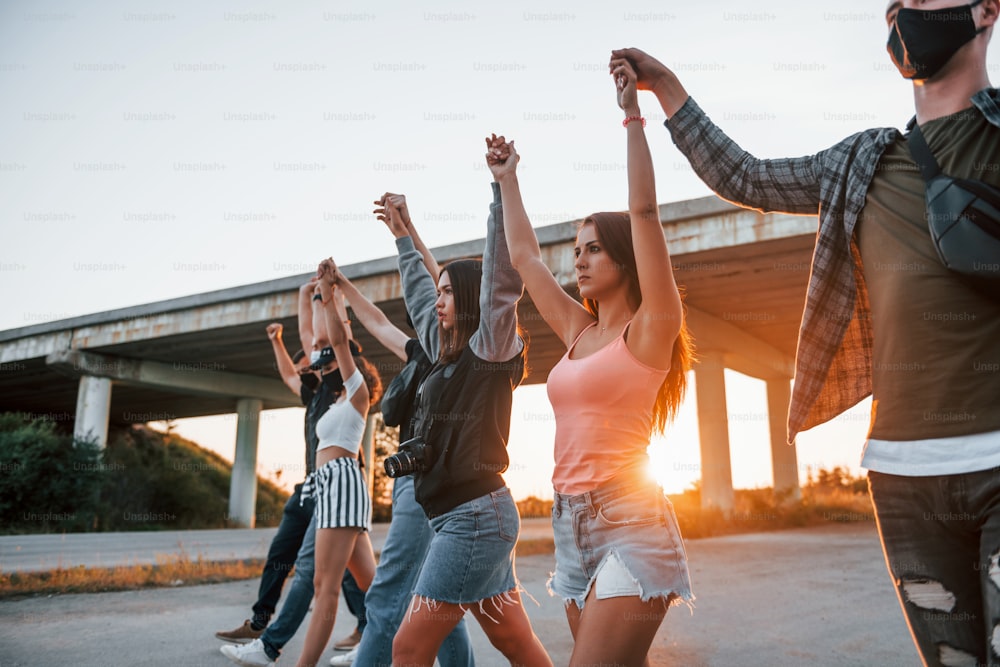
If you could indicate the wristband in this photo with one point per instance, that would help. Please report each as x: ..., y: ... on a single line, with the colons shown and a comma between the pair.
x: 629, y: 119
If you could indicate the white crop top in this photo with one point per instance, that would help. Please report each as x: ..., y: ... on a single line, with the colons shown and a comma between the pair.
x: 342, y: 425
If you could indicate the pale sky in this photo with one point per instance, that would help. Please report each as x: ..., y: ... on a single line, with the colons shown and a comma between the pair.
x: 155, y: 150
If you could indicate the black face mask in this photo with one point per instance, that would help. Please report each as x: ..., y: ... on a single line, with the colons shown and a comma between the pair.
x: 309, y: 379
x: 922, y: 41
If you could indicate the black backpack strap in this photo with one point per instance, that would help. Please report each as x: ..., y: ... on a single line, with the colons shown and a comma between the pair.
x: 921, y: 152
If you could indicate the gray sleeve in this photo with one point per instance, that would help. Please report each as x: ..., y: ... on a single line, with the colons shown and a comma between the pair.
x: 497, y: 339
x: 789, y: 185
x: 420, y: 294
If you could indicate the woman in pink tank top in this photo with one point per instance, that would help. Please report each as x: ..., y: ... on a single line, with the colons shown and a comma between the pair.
x: 618, y: 550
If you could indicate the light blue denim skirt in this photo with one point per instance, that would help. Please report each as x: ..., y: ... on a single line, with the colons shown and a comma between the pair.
x: 627, y: 518
x: 471, y: 556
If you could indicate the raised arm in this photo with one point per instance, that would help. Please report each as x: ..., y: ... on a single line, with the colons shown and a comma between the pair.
x: 373, y: 319
x: 496, y: 338
x: 658, y: 319
x: 336, y: 326
x: 561, y: 312
x: 319, y: 317
x: 788, y: 185
x: 419, y: 288
x: 306, y: 332
x: 286, y: 368
x: 391, y: 200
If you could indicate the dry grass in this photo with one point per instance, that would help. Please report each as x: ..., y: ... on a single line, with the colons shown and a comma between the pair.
x: 167, y: 572
x: 755, y: 510
x: 760, y: 510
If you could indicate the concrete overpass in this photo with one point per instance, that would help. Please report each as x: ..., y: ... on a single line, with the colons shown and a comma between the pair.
x: 744, y: 275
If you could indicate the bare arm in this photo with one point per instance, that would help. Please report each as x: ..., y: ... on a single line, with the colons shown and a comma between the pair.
x: 320, y: 330
x: 419, y: 287
x: 564, y: 315
x: 429, y: 261
x: 337, y: 330
x: 391, y: 201
x: 658, y: 319
x: 373, y: 319
x: 306, y: 333
x: 654, y: 76
x: 286, y: 369
x: 787, y: 185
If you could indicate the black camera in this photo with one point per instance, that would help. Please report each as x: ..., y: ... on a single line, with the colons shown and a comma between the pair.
x: 414, y: 455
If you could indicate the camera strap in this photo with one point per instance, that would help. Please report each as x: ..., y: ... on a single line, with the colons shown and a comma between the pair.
x: 921, y: 153
x: 963, y: 217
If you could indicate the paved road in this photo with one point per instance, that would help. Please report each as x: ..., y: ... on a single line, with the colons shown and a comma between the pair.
x: 26, y: 553
x: 817, y: 596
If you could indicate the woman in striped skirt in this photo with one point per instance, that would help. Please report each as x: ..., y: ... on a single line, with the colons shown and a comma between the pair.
x: 343, y: 505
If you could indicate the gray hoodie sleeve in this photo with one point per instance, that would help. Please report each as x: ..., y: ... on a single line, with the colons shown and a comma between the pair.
x: 420, y: 295
x: 497, y: 339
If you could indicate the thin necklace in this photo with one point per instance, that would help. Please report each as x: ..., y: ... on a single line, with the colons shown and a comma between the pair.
x: 603, y: 329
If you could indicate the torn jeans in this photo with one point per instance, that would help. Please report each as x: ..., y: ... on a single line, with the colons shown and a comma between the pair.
x: 941, y: 539
x: 625, y: 531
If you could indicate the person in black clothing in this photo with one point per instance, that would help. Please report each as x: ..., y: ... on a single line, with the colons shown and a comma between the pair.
x: 410, y: 533
x: 468, y: 325
x: 290, y: 545
x: 295, y: 516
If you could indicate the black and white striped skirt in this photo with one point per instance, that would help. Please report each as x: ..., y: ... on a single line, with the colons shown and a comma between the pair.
x: 342, y: 499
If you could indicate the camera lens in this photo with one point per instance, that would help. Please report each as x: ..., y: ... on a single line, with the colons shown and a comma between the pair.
x: 399, y: 465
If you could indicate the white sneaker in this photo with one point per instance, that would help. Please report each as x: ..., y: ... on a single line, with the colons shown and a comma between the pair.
x: 345, y: 658
x: 248, y: 655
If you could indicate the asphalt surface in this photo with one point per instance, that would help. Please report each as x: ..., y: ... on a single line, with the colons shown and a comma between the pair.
x: 817, y: 596
x: 27, y: 553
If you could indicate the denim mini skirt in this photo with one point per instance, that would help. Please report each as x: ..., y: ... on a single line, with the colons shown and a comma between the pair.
x: 628, y: 523
x: 471, y: 556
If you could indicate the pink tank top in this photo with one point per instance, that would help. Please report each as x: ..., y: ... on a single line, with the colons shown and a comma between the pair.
x: 603, y: 405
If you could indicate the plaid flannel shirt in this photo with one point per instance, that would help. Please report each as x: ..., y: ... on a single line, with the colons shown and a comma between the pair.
x: 833, y: 359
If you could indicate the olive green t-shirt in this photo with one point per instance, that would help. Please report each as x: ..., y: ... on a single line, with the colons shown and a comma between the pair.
x: 936, y: 356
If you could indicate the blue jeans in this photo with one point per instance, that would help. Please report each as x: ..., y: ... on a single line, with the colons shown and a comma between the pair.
x: 300, y: 595
x: 355, y: 598
x: 471, y: 557
x: 627, y: 518
x: 941, y: 538
x: 280, y: 557
x: 389, y: 596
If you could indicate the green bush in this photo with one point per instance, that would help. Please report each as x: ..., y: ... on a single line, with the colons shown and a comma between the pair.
x: 46, y: 483
x: 143, y: 480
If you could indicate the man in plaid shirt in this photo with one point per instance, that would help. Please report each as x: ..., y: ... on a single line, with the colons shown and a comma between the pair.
x: 884, y: 317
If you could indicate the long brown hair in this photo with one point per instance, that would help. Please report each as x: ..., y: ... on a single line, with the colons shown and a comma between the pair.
x: 614, y: 231
x: 466, y: 276
x: 373, y: 380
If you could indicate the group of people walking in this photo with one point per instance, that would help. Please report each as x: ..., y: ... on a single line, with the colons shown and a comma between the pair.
x: 618, y: 550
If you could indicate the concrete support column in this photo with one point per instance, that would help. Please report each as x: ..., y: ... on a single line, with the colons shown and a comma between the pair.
x: 784, y: 461
x: 243, y: 485
x: 713, y: 427
x: 93, y: 406
x: 368, y: 447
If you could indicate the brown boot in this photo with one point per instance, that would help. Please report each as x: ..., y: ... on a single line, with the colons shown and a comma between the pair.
x: 241, y: 635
